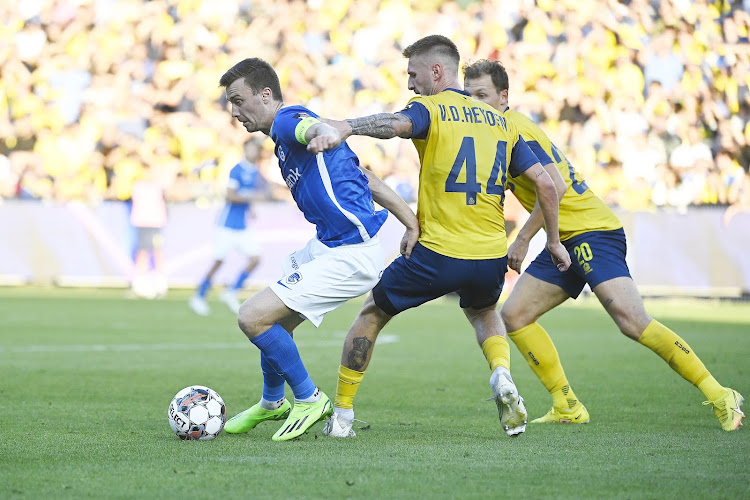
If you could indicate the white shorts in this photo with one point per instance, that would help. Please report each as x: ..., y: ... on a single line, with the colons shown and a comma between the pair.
x: 318, y: 279
x: 242, y: 240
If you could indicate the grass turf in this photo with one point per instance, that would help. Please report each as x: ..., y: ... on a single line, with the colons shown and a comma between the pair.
x: 87, y: 377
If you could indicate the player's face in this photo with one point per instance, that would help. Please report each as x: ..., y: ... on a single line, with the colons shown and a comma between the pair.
x: 248, y: 108
x: 421, y: 79
x: 484, y: 90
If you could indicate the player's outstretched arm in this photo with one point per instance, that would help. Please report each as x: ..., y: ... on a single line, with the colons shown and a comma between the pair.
x: 519, y: 248
x: 546, y: 197
x: 391, y: 201
x: 382, y: 126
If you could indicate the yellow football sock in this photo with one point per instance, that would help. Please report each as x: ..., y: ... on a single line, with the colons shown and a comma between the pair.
x: 540, y: 353
x: 681, y: 358
x: 347, y: 386
x: 497, y: 351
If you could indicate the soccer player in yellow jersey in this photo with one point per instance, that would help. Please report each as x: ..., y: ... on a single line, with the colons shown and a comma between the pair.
x: 467, y: 153
x: 593, y: 235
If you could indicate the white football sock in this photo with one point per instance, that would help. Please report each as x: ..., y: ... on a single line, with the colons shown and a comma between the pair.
x: 271, y: 405
x: 312, y: 399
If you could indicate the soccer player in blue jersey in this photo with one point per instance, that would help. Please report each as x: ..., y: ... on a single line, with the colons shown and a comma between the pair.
x: 467, y: 152
x: 594, y: 236
x: 343, y: 261
x: 232, y: 231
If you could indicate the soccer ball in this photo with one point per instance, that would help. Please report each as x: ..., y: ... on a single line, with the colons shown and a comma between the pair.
x: 197, y: 412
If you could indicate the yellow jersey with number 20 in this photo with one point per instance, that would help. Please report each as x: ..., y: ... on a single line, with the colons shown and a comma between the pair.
x: 465, y: 160
x: 581, y: 210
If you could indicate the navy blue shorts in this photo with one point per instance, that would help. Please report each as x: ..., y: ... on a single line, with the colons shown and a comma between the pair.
x: 427, y: 275
x: 596, y: 257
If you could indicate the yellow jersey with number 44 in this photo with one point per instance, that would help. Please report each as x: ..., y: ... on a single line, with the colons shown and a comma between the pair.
x: 581, y: 210
x: 468, y: 153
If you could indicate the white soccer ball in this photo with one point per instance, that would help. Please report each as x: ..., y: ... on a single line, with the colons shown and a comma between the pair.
x: 197, y: 412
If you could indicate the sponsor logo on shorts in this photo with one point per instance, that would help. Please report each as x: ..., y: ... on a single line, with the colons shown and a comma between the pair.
x: 294, y: 263
x: 294, y: 278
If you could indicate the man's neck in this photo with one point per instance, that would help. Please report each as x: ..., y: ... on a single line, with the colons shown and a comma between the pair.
x: 276, y: 109
x: 451, y: 84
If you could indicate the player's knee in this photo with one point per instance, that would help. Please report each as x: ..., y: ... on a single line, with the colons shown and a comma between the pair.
x: 373, y: 312
x: 247, y: 321
x: 514, y: 317
x: 631, y: 325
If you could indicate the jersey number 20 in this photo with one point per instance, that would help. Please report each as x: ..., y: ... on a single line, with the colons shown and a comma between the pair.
x: 467, y: 156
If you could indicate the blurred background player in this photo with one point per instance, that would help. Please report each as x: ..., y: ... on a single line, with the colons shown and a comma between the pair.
x: 344, y: 260
x: 148, y: 216
x: 594, y: 236
x: 466, y: 153
x: 233, y: 232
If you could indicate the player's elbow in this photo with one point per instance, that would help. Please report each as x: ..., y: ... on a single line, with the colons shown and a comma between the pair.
x: 402, y: 126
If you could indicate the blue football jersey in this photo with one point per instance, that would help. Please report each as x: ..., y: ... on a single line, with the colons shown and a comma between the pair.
x: 243, y: 177
x: 329, y: 187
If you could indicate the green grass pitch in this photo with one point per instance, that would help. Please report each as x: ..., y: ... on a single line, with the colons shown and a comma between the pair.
x: 87, y: 377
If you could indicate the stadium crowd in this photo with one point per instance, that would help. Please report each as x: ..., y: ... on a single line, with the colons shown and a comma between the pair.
x: 650, y: 100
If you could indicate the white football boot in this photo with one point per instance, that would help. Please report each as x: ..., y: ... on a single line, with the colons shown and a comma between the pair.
x: 339, y: 425
x: 199, y: 305
x: 231, y: 300
x: 509, y: 404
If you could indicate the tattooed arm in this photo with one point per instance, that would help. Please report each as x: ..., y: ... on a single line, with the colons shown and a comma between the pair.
x: 380, y: 126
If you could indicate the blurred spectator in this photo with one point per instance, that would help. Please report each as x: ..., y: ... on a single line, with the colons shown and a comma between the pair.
x: 667, y: 191
x: 148, y: 216
x: 92, y: 89
x: 690, y: 151
x: 663, y: 65
x: 639, y: 161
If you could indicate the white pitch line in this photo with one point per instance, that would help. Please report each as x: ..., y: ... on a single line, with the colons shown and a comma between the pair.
x: 382, y: 339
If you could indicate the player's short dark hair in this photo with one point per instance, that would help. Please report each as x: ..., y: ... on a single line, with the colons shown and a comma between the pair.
x: 486, y: 67
x: 441, y: 44
x: 256, y: 73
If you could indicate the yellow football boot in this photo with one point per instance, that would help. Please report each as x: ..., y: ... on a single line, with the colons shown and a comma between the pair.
x: 727, y: 409
x: 576, y: 415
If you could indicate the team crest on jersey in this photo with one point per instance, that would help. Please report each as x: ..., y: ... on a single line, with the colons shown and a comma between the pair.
x: 294, y: 278
x: 302, y: 116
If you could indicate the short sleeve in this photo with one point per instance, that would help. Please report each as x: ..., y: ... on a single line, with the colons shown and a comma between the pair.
x: 420, y: 119
x: 521, y: 159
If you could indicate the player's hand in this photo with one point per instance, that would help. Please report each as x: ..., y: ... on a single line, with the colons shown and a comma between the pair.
x: 516, y: 253
x: 560, y: 255
x: 324, y: 142
x: 411, y: 236
x: 342, y: 126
